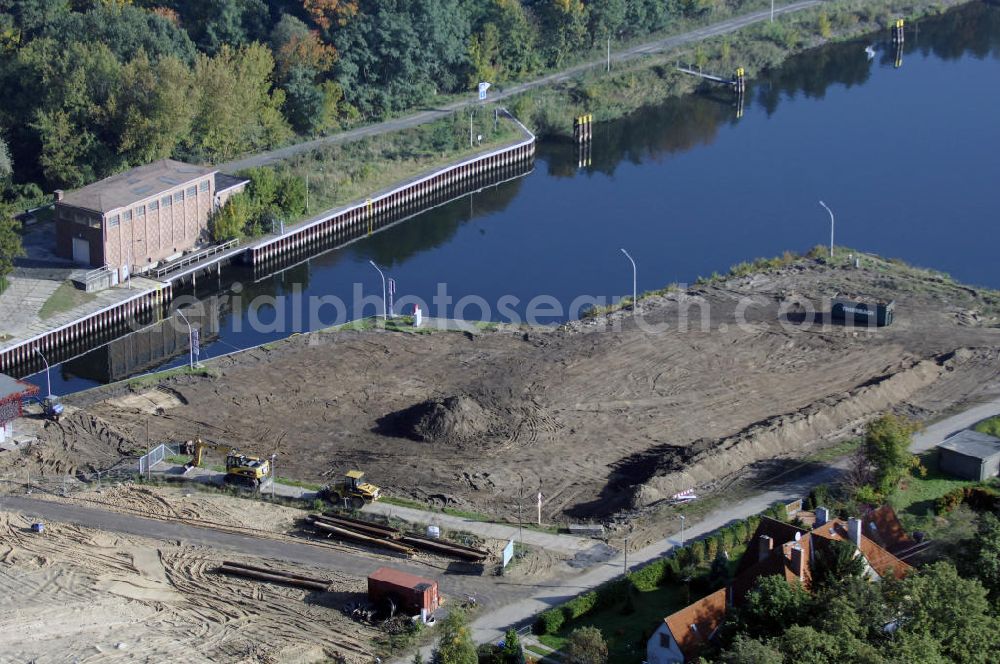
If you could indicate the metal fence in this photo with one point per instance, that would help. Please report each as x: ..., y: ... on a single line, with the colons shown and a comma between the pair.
x: 156, y: 455
x: 24, y: 483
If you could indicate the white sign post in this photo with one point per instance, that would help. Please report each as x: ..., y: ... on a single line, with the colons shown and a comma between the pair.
x: 483, y: 87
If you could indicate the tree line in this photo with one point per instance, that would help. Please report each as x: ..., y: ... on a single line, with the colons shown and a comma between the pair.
x: 93, y: 87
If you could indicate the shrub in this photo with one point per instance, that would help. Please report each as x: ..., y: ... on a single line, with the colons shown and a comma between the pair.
x: 650, y: 576
x: 741, y: 531
x: 580, y: 605
x: 711, y: 547
x: 698, y: 552
x: 549, y: 621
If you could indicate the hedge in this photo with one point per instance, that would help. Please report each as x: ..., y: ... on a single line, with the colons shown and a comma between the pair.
x: 549, y: 621
x: 979, y: 498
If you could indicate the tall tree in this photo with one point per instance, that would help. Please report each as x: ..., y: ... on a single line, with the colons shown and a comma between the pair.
x: 328, y: 13
x: 236, y: 109
x: 887, y: 443
x: 455, y: 646
x: 10, y: 244
x: 153, y: 108
x: 6, y: 164
x: 951, y: 610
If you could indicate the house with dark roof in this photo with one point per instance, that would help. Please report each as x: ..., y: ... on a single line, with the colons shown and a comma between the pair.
x: 780, y: 549
x: 132, y: 221
x: 970, y: 455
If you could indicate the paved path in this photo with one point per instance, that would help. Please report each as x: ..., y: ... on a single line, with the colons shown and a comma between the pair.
x: 430, y: 115
x: 491, y: 626
x: 567, y: 544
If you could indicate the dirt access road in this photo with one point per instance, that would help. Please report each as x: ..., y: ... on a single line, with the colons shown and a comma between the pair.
x: 648, y: 48
x: 601, y: 416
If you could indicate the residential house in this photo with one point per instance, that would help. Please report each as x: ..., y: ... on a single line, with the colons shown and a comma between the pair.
x: 135, y: 220
x: 782, y: 549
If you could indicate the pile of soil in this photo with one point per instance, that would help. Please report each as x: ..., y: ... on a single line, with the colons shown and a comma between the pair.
x: 454, y: 419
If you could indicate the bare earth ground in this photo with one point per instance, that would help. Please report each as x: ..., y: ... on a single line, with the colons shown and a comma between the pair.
x: 76, y: 594
x: 601, y: 416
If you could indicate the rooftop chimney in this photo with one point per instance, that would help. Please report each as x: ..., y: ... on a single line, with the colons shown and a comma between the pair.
x: 764, y: 546
x: 58, y: 193
x: 798, y: 561
x: 822, y: 516
x: 854, y: 531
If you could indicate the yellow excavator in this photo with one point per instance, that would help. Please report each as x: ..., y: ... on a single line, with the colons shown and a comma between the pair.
x: 352, y: 489
x: 241, y: 469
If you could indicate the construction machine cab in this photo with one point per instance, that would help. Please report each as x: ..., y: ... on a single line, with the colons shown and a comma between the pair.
x: 353, y: 489
x: 241, y: 469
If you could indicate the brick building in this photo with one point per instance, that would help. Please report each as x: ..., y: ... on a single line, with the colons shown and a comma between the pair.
x: 135, y: 220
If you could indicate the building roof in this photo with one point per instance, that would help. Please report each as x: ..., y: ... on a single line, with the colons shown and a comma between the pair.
x: 779, y: 532
x: 11, y: 387
x: 224, y: 182
x: 880, y: 560
x: 399, y: 578
x: 695, y: 625
x: 882, y: 526
x: 135, y: 185
x: 972, y: 444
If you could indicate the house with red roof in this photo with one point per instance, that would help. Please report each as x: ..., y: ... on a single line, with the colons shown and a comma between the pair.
x: 785, y: 550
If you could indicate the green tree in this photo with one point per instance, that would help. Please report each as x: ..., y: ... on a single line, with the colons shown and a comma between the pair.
x: 747, y: 650
x: 773, y: 605
x: 10, y: 244
x: 951, y: 610
x: 984, y: 554
x: 835, y: 560
x: 231, y: 220
x: 6, y: 164
x: 455, y: 645
x: 564, y: 28
x: 64, y: 147
x: 153, y: 108
x: 586, y: 646
x: 886, y: 448
x: 512, y: 652
x: 236, y: 109
x: 807, y: 645
x: 304, y: 101
x: 607, y: 19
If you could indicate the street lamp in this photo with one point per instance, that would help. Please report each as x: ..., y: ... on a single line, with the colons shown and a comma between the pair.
x: 626, y: 556
x: 635, y: 297
x: 190, y: 338
x: 274, y: 474
x: 682, y: 530
x: 383, y: 286
x: 831, y: 226
x: 48, y: 378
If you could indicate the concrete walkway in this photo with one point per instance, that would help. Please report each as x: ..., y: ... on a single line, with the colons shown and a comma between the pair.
x: 648, y: 48
x: 21, y: 304
x: 567, y: 544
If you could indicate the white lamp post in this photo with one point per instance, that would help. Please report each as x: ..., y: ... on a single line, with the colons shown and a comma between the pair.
x: 383, y: 286
x: 190, y: 338
x: 48, y: 378
x: 831, y: 226
x: 635, y: 297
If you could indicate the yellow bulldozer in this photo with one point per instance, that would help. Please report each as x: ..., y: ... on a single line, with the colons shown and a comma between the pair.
x: 241, y: 469
x: 352, y: 489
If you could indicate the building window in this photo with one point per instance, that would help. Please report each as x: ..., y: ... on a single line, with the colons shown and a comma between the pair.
x: 166, y: 201
x: 179, y: 196
x: 140, y: 211
x: 79, y: 218
x: 127, y: 215
x: 192, y: 192
x: 203, y: 187
x: 93, y: 222
x: 664, y: 640
x: 113, y: 221
x: 154, y: 206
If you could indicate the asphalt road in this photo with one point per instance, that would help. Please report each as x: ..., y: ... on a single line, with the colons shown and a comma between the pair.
x: 430, y: 115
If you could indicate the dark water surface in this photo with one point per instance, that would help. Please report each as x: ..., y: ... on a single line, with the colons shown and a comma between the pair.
x: 908, y: 159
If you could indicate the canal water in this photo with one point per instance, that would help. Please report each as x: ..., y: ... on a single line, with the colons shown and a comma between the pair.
x: 907, y: 157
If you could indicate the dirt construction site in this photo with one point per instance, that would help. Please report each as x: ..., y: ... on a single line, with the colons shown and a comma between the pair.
x: 599, y: 415
x: 606, y: 417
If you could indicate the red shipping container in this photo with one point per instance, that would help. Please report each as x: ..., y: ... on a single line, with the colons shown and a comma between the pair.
x: 409, y: 592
